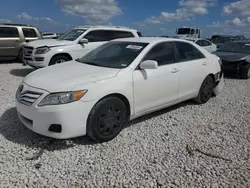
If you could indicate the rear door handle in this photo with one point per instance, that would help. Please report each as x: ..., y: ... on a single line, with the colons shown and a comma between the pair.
x: 175, y: 70
x: 204, y: 64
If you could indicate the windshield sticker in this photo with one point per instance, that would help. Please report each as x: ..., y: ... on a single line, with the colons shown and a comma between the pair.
x: 247, y: 44
x: 134, y: 47
x: 123, y: 65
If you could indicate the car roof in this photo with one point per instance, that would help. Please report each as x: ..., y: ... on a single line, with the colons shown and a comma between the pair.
x: 111, y: 27
x: 149, y: 39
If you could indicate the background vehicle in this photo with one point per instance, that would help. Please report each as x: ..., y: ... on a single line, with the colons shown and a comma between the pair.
x: 235, y: 58
x: 219, y: 40
x: 209, y: 46
x: 188, y: 32
x: 73, y: 44
x: 119, y: 81
x: 12, y: 39
x: 49, y: 35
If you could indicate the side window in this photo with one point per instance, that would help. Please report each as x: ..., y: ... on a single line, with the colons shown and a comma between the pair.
x: 9, y: 32
x: 139, y: 34
x: 29, y: 33
x: 98, y: 36
x: 206, y: 43
x: 199, y: 42
x: 122, y: 34
x: 162, y: 53
x: 187, y: 52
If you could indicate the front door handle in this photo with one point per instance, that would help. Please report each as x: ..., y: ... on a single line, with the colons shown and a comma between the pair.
x: 204, y: 64
x: 175, y: 70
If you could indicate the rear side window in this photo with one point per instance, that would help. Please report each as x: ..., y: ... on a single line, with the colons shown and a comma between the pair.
x: 9, y: 32
x: 162, y: 53
x: 188, y: 52
x: 139, y: 34
x: 97, y: 36
x: 122, y: 34
x: 29, y: 33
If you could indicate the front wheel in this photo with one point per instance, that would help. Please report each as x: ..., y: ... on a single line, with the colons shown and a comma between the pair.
x: 58, y: 59
x: 106, y: 119
x: 206, y: 90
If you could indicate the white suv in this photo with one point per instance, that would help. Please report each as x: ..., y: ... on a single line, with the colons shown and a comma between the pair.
x: 73, y: 44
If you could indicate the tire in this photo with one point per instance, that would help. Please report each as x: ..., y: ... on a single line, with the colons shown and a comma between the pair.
x: 246, y: 72
x: 59, y: 59
x: 106, y: 119
x: 20, y: 56
x: 206, y: 90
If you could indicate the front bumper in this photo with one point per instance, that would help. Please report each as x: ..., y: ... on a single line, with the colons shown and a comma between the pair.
x: 37, y: 61
x: 72, y: 117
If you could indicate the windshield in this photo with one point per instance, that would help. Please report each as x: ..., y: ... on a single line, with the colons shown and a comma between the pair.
x: 236, y: 47
x: 114, y: 54
x: 72, y: 34
x: 182, y: 31
x: 222, y: 39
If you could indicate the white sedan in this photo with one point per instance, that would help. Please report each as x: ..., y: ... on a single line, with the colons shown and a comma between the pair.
x: 208, y: 45
x: 117, y: 82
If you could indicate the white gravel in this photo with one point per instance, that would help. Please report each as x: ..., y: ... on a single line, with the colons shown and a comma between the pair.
x: 183, y: 146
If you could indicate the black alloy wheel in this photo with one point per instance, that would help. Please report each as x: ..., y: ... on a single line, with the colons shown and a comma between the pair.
x: 106, y: 119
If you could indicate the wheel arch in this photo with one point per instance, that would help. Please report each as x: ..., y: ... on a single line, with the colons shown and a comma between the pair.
x: 123, y: 98
x: 62, y: 54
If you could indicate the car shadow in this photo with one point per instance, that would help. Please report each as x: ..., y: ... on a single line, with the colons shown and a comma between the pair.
x: 159, y: 113
x: 21, y: 72
x: 13, y: 130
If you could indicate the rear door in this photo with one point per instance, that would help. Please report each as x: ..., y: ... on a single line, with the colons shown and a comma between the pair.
x: 29, y: 34
x: 9, y: 41
x: 193, y: 68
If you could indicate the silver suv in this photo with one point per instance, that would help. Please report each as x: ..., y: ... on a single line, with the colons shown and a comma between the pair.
x: 12, y: 39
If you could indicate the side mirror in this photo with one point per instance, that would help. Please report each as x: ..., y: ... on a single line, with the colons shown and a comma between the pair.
x: 248, y: 59
x: 149, y: 64
x: 83, y: 41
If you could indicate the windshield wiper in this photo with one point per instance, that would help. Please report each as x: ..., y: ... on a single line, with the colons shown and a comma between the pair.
x: 90, y: 63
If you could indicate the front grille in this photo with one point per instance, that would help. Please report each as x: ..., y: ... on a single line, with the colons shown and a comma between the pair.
x: 27, y: 51
x: 27, y: 97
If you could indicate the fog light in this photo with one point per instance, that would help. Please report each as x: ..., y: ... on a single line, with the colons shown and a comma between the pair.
x: 56, y: 128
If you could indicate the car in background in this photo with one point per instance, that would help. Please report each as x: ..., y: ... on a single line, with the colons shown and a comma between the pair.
x: 114, y: 83
x: 206, y: 44
x: 49, y: 35
x: 73, y: 44
x: 235, y: 58
x: 219, y: 40
x: 12, y: 39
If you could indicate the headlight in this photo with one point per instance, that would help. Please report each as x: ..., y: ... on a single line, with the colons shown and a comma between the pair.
x: 62, y: 98
x: 42, y: 50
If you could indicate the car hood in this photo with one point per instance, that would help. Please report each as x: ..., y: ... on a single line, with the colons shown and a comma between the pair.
x: 48, y: 42
x: 230, y: 56
x: 67, y: 76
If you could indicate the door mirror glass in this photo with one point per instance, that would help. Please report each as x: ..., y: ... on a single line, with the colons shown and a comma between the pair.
x: 149, y: 64
x: 83, y: 41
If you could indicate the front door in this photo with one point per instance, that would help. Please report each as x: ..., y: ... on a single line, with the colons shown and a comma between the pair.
x: 156, y: 87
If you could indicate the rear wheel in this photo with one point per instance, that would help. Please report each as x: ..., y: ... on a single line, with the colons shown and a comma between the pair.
x: 20, y: 56
x: 106, y: 119
x: 246, y: 72
x: 206, y: 90
x: 59, y: 59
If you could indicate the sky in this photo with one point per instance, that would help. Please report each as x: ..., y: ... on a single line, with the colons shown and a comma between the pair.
x: 151, y: 17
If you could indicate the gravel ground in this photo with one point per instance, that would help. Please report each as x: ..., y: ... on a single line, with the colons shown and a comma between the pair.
x: 183, y: 146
